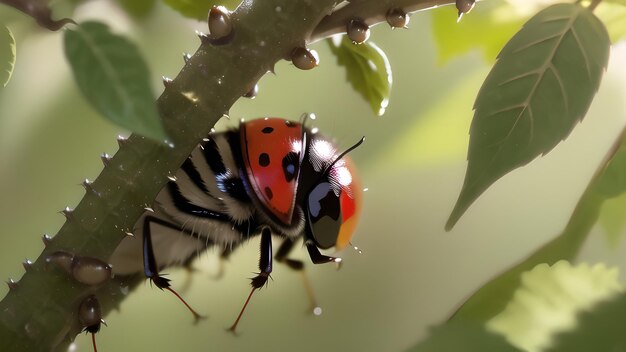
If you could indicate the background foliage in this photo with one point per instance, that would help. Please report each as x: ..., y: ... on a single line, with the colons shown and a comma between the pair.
x: 412, y: 274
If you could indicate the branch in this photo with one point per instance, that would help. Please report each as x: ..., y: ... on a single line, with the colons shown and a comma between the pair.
x: 39, y: 10
x: 371, y: 11
x: 40, y: 312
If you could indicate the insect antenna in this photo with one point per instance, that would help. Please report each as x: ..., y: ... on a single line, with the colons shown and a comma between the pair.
x: 356, y: 145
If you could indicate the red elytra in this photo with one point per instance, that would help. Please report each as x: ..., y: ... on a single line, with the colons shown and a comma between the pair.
x: 351, y: 197
x: 264, y: 143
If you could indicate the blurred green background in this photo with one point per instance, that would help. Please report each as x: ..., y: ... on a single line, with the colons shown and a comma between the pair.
x: 411, y: 274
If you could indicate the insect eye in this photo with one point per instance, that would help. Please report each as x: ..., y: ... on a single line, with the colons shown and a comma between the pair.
x: 324, y: 215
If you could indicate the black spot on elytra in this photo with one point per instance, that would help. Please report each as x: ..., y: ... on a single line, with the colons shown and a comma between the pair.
x: 290, y: 124
x: 290, y: 166
x: 264, y: 159
x: 268, y: 193
x: 267, y: 130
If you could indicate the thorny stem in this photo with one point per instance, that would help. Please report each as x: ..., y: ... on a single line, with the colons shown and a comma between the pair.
x: 40, y: 313
x: 372, y: 12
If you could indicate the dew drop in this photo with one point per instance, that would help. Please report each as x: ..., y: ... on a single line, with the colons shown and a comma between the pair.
x: 252, y: 93
x: 358, y: 31
x: 220, y: 24
x: 304, y: 58
x: 397, y: 18
x: 464, y: 6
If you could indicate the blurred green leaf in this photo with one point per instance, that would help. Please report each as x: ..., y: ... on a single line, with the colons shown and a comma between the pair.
x: 114, y: 77
x: 613, y: 219
x: 487, y: 28
x: 599, y: 329
x: 199, y: 9
x: 549, y: 299
x: 7, y: 55
x: 466, y: 336
x: 367, y: 70
x: 492, y: 298
x: 540, y: 87
x: 621, y: 2
x: 137, y: 8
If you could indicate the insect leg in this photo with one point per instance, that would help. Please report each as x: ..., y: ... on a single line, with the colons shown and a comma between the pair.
x: 282, y: 257
x: 319, y: 258
x: 149, y: 262
x: 90, y: 317
x: 265, y: 267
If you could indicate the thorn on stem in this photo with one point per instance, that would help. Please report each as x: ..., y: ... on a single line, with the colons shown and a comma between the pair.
x: 106, y: 159
x: 28, y: 265
x: 68, y: 213
x: 13, y: 285
x: 46, y: 239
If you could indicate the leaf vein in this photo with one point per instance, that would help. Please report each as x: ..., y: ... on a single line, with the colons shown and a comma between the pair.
x: 582, y: 51
x: 561, y: 86
x: 101, y: 57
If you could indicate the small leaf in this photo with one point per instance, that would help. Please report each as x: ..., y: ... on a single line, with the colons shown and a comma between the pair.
x: 367, y: 70
x: 137, y: 8
x: 114, y: 77
x: 599, y: 329
x: 549, y: 299
x: 538, y: 90
x: 199, y: 9
x: 487, y: 28
x: 466, y: 336
x: 7, y: 55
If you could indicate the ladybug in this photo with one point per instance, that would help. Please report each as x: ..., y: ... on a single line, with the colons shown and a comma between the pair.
x: 269, y: 177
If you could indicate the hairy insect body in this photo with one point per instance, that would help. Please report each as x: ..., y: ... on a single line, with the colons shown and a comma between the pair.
x: 270, y: 177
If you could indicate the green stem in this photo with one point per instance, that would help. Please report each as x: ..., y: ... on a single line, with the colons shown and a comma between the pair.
x: 493, y: 297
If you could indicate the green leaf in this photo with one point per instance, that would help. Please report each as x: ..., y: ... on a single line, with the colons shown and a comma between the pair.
x: 113, y: 76
x: 612, y: 219
x: 549, y: 299
x: 487, y: 28
x: 7, y: 55
x: 367, y: 70
x: 137, y: 8
x: 538, y: 90
x: 492, y: 298
x: 599, y: 329
x: 466, y: 336
x: 199, y: 9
